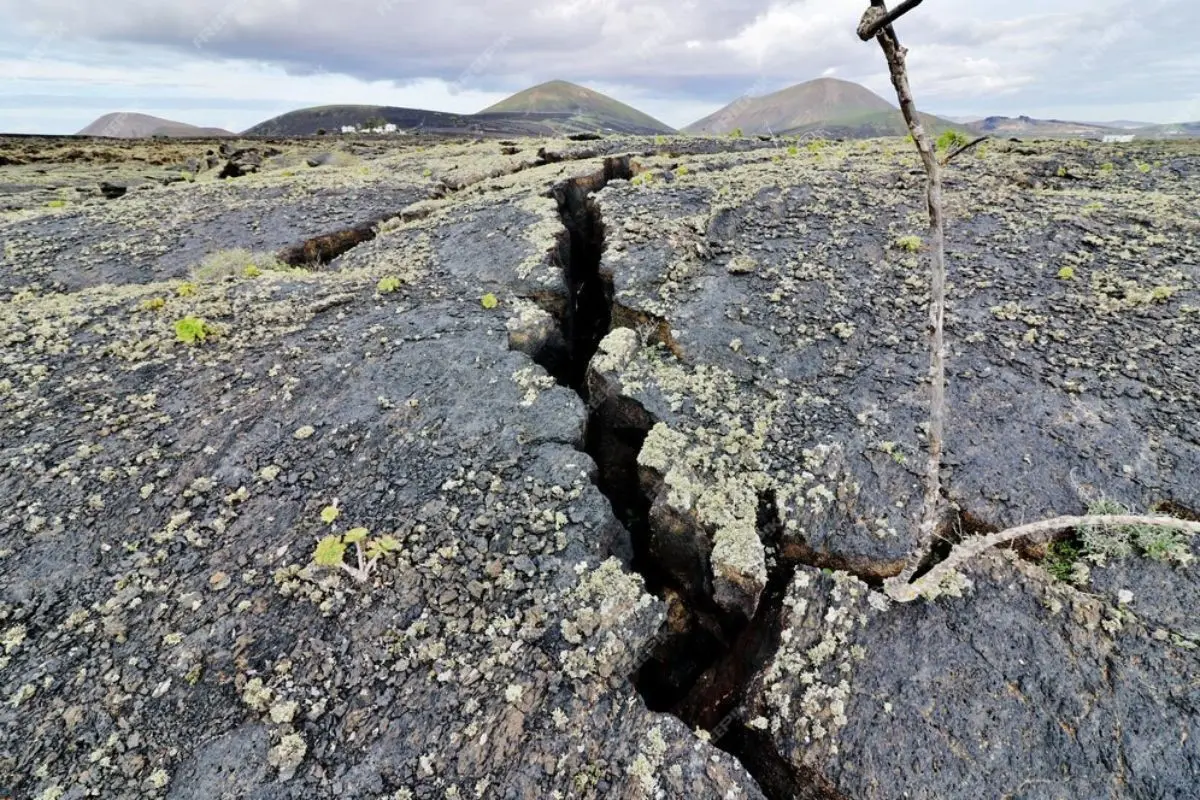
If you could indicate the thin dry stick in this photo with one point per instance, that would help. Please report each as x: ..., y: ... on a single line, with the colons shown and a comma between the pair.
x: 900, y: 588
x: 931, y: 512
x: 930, y: 584
x: 963, y: 149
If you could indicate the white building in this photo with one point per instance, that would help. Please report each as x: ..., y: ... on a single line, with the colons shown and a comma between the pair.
x: 1118, y: 138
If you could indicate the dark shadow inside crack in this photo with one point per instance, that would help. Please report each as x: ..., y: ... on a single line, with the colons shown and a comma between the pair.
x: 961, y: 525
x: 319, y: 251
x: 1170, y: 508
x: 589, y: 290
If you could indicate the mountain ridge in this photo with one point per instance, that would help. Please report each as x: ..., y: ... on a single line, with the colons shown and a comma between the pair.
x: 133, y: 125
x: 558, y: 96
x: 820, y: 100
x: 552, y: 108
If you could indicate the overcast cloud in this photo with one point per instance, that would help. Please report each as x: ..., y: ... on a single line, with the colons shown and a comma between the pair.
x: 233, y: 63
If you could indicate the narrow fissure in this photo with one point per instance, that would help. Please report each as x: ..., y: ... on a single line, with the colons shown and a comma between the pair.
x: 320, y: 250
x: 705, y: 661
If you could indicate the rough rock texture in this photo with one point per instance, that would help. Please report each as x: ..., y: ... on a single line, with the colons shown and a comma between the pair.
x: 165, y: 632
x: 786, y: 387
x: 183, y: 417
x: 1019, y: 688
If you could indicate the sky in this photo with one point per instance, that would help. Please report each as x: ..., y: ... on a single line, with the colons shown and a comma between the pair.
x: 234, y: 63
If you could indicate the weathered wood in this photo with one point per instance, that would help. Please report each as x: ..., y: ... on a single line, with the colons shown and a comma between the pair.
x: 931, y: 514
x: 931, y: 583
x: 964, y: 149
x: 869, y: 32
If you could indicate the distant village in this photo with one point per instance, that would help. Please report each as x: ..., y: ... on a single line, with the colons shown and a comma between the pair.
x: 387, y: 127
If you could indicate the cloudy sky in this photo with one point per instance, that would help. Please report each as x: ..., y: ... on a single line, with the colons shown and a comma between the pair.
x: 233, y: 63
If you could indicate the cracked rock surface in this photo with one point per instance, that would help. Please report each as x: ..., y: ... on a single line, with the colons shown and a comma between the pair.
x: 643, y: 420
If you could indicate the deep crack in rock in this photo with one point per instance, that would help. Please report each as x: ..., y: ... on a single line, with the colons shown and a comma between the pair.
x: 704, y: 662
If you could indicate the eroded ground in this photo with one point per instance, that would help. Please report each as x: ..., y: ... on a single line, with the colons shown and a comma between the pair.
x: 643, y: 420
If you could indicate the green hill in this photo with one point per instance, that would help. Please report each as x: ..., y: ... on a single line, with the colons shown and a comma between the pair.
x: 871, y: 125
x: 792, y: 108
x: 551, y: 109
x: 581, y: 103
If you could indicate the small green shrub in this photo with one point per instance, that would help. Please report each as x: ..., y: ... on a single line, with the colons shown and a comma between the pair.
x: 388, y: 284
x: 1067, y: 273
x: 154, y: 304
x: 1106, y: 541
x: 1107, y: 167
x: 191, y: 330
x: 56, y: 204
x: 909, y: 244
x: 680, y: 171
x: 186, y: 289
x: 331, y: 550
x: 489, y: 301
x: 1143, y: 167
x: 736, y: 133
x: 1063, y: 561
x: 951, y: 140
x: 793, y: 150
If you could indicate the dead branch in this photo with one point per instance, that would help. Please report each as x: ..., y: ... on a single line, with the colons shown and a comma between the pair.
x: 931, y: 513
x: 964, y: 149
x: 932, y: 583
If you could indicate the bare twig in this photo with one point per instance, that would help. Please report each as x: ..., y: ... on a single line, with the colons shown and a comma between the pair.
x: 931, y: 583
x: 931, y: 512
x: 964, y: 149
x: 867, y: 32
x: 876, y: 22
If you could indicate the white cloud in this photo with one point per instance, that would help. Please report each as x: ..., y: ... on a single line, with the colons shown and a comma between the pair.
x: 669, y: 58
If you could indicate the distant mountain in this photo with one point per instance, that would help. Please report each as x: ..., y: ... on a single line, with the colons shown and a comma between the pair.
x: 126, y: 125
x: 870, y: 126
x: 308, y: 121
x: 1123, y: 123
x: 1173, y: 129
x: 555, y: 108
x: 822, y: 100
x: 585, y: 105
x: 1027, y: 126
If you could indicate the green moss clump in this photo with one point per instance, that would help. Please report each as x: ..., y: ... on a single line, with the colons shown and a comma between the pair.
x: 1063, y: 560
x: 191, y: 330
x: 1109, y: 541
x: 951, y: 140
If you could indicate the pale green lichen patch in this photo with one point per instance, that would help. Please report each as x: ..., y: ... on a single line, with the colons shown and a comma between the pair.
x: 288, y: 755
x: 532, y: 381
x: 808, y: 684
x: 616, y: 350
x: 606, y: 604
